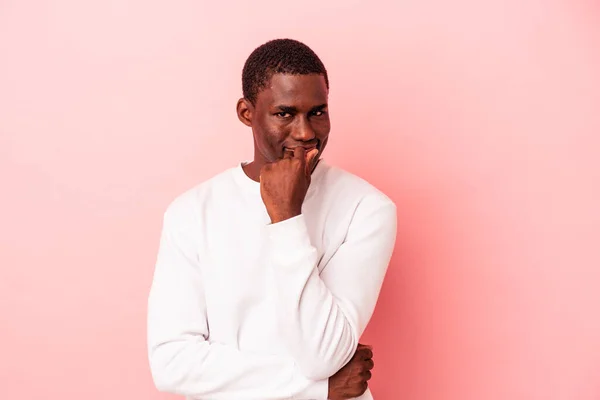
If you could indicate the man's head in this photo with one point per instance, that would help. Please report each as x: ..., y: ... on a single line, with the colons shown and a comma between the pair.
x: 285, y: 88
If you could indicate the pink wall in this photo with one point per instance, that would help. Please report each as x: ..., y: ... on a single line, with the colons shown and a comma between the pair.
x: 481, y: 121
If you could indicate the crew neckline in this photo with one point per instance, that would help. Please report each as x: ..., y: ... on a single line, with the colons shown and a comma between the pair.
x: 252, y: 186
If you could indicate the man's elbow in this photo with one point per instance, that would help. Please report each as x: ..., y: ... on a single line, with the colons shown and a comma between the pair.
x: 163, y: 381
x: 164, y: 372
x: 162, y: 384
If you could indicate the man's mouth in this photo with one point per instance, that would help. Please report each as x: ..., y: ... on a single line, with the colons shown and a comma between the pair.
x: 306, y: 148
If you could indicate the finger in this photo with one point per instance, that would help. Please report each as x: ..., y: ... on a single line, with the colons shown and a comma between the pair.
x: 363, y: 353
x: 363, y: 346
x: 369, y: 364
x: 300, y: 154
x: 365, y: 386
x: 366, y: 353
x: 310, y: 156
x: 367, y: 375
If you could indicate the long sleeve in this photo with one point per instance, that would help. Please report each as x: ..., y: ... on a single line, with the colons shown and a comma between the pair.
x: 321, y: 317
x: 182, y: 358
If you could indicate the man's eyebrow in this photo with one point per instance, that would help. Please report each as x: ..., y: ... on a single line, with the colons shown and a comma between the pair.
x: 318, y: 108
x: 287, y: 109
x: 292, y: 109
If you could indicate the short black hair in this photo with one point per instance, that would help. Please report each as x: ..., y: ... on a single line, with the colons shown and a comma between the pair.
x: 278, y: 56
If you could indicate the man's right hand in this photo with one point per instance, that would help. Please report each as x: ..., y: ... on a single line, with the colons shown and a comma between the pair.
x: 351, y: 380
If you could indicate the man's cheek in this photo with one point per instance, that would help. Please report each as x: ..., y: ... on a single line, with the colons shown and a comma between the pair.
x: 276, y: 148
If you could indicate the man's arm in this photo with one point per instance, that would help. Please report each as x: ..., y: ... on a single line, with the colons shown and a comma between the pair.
x: 322, y: 317
x: 182, y: 361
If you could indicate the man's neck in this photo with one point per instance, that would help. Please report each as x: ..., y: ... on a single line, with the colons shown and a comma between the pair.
x: 252, y: 171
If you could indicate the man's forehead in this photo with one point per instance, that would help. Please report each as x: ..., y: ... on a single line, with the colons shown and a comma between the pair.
x: 282, y: 86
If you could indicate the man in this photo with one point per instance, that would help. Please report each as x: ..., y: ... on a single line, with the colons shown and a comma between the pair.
x: 268, y: 273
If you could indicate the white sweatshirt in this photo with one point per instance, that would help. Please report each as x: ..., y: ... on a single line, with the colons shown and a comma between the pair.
x: 242, y: 309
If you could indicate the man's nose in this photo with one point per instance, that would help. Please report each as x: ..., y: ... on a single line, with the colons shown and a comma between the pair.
x: 303, y: 131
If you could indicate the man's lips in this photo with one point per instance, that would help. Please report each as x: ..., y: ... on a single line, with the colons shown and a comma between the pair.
x: 306, y: 148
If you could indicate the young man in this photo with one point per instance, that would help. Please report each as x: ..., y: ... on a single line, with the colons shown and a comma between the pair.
x: 268, y: 273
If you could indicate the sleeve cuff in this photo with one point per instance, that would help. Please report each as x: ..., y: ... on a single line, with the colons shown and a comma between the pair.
x: 290, y: 239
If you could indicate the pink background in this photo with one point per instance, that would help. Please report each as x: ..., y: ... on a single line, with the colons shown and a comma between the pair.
x: 480, y: 119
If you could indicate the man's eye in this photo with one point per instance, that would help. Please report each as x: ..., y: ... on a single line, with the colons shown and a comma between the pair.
x: 283, y: 114
x: 318, y: 113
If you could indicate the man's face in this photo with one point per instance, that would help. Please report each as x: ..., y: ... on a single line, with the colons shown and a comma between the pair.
x: 291, y: 111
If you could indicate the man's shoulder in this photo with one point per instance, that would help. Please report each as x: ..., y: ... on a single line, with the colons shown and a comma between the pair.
x: 347, y: 186
x: 188, y: 201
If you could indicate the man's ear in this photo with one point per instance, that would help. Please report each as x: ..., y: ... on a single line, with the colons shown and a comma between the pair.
x: 245, y: 110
